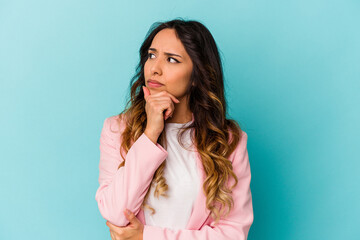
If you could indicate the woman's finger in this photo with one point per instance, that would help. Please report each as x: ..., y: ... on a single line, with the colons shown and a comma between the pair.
x: 165, y: 105
x: 159, y: 98
x: 146, y: 92
x: 168, y: 112
x: 166, y: 93
x: 115, y: 229
x: 172, y: 97
x: 162, y: 104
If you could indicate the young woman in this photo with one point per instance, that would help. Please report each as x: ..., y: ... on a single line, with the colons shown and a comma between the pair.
x: 172, y: 159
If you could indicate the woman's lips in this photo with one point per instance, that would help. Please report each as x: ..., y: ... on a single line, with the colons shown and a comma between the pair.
x: 154, y: 84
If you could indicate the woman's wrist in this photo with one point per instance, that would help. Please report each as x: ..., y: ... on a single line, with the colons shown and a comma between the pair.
x: 151, y: 136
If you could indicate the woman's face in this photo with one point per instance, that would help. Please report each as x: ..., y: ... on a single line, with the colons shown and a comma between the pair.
x: 169, y: 64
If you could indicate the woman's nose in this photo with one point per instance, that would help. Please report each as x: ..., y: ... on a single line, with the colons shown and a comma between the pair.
x: 156, y: 67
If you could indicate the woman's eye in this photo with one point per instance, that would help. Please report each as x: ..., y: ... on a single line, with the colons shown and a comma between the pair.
x: 175, y: 61
x: 172, y: 60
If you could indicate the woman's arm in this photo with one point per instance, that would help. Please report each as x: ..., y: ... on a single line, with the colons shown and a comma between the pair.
x: 236, y: 225
x: 124, y: 187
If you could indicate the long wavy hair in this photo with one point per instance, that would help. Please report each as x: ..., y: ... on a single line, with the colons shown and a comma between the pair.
x: 214, y: 136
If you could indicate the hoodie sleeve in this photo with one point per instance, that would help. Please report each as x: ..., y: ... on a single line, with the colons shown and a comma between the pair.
x: 236, y: 225
x: 124, y: 187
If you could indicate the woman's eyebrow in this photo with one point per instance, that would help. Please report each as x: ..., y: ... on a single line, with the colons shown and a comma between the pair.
x: 166, y: 53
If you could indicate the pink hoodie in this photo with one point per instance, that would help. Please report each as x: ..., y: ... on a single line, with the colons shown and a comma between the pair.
x: 126, y: 188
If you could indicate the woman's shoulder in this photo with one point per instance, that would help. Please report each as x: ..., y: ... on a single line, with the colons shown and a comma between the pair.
x: 241, y: 146
x: 115, y: 124
x: 235, y: 128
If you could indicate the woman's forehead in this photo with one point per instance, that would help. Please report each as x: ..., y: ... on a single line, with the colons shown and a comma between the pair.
x: 167, y: 41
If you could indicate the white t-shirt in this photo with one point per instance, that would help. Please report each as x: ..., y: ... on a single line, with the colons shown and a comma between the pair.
x: 183, y: 182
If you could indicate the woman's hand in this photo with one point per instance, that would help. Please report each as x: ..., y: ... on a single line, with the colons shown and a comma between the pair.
x: 133, y: 231
x: 155, y: 106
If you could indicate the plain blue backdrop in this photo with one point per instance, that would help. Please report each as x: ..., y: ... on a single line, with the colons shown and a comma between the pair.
x: 292, y: 72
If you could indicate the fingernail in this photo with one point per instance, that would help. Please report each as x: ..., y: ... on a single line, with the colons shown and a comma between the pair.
x: 128, y: 212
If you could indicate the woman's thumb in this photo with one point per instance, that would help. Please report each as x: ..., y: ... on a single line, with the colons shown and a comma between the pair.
x: 130, y: 216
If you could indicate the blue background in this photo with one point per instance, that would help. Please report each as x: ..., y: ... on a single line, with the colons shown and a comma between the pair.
x: 292, y: 76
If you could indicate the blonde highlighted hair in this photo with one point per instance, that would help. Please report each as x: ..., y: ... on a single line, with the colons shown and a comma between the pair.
x: 214, y: 136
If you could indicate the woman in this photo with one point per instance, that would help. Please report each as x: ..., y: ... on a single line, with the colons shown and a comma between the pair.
x: 171, y: 158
